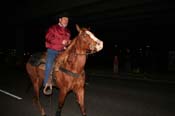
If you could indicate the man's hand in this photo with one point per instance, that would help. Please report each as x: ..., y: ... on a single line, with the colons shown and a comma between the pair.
x: 64, y: 42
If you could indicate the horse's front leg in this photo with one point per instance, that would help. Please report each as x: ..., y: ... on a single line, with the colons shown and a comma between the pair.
x: 80, y: 98
x: 61, y: 98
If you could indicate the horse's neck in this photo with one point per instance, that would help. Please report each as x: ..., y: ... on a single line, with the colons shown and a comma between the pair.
x: 75, y: 62
x: 80, y: 61
x: 74, y: 57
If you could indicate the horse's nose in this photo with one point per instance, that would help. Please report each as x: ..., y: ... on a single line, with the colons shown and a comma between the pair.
x: 99, y: 45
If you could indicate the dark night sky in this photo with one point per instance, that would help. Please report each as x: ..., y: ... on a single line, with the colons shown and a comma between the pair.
x: 128, y: 23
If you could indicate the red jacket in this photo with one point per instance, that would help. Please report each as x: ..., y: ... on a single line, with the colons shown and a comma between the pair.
x: 54, y: 37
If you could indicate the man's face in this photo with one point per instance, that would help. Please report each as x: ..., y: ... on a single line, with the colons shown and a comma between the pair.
x: 64, y: 21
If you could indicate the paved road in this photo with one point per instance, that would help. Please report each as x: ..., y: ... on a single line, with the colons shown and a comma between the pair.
x: 104, y: 97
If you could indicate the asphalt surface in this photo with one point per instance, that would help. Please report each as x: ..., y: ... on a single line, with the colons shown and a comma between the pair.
x: 103, y: 97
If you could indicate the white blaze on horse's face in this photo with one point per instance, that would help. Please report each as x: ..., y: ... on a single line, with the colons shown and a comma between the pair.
x: 99, y: 44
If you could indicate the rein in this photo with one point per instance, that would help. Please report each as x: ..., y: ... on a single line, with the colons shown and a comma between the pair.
x: 85, y: 53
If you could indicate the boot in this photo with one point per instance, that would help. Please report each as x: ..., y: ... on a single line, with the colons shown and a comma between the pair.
x: 48, y: 88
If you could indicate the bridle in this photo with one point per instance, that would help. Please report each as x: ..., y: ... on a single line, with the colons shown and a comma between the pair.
x: 90, y: 46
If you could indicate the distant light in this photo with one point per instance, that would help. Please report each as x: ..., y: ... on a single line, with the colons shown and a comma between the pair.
x: 115, y: 45
x: 148, y: 46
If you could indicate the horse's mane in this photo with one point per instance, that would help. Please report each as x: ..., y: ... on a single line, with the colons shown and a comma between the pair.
x: 62, y: 57
x: 71, y: 45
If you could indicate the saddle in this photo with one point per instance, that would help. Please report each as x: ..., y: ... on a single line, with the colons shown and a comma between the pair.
x: 39, y: 60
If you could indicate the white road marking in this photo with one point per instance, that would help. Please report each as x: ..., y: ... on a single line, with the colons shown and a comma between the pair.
x: 7, y: 93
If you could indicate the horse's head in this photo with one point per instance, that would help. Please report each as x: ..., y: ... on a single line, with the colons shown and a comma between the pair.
x: 88, y: 40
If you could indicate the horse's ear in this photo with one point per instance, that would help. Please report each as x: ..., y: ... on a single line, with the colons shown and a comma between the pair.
x: 78, y: 28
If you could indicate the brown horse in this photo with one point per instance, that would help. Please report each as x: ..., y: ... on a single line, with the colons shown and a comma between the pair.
x: 68, y: 71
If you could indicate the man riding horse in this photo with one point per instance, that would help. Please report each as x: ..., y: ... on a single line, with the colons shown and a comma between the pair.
x: 68, y: 70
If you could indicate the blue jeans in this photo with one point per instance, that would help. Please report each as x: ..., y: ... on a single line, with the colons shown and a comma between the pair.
x: 51, y: 55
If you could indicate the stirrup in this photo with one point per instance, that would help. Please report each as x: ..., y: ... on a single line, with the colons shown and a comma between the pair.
x: 47, y: 89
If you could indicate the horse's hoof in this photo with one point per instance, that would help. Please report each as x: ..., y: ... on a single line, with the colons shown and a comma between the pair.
x: 58, y: 113
x: 84, y: 114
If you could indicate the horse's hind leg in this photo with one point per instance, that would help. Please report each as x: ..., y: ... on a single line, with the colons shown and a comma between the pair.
x: 61, y: 98
x: 80, y: 98
x: 36, y: 97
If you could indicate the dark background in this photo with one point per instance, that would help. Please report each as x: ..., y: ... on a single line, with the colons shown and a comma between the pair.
x: 145, y: 27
